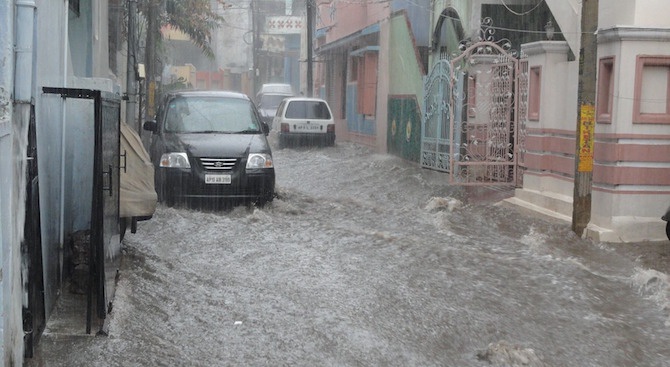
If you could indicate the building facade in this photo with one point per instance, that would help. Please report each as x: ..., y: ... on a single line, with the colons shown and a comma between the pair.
x: 374, y: 60
x: 631, y: 150
x: 48, y: 142
x: 359, y: 48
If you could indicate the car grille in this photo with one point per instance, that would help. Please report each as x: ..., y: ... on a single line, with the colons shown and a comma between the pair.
x: 218, y: 164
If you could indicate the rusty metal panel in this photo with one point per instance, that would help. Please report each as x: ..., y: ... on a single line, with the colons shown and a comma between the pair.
x: 111, y: 242
x: 105, y: 246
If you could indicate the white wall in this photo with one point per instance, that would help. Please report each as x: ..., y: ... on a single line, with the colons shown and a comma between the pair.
x: 627, y: 213
x: 641, y: 13
x: 50, y: 60
x: 551, y: 193
x: 625, y: 44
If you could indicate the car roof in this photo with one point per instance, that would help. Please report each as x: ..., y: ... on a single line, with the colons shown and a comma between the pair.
x: 273, y: 86
x: 305, y: 99
x: 209, y: 93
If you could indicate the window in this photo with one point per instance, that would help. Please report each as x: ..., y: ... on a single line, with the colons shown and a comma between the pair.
x: 605, y: 90
x: 353, y: 73
x: 652, y: 90
x: 210, y: 114
x: 534, y: 92
x: 307, y: 110
x: 367, y: 84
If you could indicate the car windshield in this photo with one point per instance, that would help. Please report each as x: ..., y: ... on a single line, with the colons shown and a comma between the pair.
x: 315, y: 110
x: 210, y: 115
x: 271, y: 100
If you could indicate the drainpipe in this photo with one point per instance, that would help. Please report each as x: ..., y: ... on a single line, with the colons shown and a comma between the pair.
x: 23, y: 99
x: 25, y: 31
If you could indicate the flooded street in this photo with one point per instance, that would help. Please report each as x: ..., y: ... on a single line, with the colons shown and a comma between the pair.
x: 368, y: 260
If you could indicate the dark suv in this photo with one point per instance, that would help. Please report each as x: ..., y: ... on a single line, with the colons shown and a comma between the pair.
x: 210, y: 145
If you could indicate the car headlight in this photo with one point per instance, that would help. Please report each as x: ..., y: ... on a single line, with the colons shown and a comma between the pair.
x: 175, y: 160
x: 259, y: 160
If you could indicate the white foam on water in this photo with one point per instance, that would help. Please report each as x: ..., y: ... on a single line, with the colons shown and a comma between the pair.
x: 655, y: 286
x: 504, y: 353
x: 533, y: 239
x: 443, y: 203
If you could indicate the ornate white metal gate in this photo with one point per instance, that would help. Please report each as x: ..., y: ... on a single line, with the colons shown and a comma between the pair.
x: 475, y: 113
x: 436, y: 120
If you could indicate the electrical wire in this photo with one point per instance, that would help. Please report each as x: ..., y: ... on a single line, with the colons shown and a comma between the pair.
x: 521, y: 14
x: 421, y: 6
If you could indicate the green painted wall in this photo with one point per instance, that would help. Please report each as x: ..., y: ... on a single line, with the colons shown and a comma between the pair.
x: 404, y: 67
x: 405, y: 92
x: 406, y: 76
x: 404, y: 132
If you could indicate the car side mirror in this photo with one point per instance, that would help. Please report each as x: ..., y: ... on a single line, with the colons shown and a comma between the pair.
x: 150, y: 125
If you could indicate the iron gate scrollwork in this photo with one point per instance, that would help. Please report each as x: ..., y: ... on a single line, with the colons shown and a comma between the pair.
x: 475, y: 113
x: 435, y: 133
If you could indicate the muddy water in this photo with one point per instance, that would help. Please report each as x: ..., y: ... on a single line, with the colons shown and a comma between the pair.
x: 364, y: 259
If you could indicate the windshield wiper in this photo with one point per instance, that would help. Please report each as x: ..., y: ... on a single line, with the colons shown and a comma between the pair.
x: 248, y: 131
x: 211, y: 132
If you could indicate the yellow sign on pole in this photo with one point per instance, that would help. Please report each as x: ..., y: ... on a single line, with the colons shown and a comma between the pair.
x: 586, y: 138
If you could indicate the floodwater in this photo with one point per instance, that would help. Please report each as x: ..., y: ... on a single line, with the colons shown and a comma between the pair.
x: 367, y: 260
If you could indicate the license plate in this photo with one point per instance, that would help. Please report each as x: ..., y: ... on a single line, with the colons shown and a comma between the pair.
x: 218, y: 179
x: 308, y: 127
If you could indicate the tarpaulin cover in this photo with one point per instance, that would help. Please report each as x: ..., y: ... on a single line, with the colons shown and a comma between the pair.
x: 138, y: 194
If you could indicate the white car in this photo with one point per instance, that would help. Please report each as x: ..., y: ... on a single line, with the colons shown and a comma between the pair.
x: 269, y: 98
x: 304, y: 120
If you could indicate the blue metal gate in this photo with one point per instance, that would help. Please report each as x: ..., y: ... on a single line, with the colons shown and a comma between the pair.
x: 436, y: 121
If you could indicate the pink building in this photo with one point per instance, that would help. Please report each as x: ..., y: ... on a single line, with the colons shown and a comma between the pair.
x: 347, y: 43
x: 631, y: 150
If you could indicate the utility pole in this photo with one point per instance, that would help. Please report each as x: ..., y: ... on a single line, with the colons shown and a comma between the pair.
x: 254, y: 47
x: 310, y: 32
x: 586, y: 97
x: 131, y: 75
x: 150, y: 57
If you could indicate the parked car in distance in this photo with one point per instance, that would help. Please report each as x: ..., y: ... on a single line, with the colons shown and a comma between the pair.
x: 304, y: 120
x: 269, y: 97
x: 209, y: 145
x: 278, y: 88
